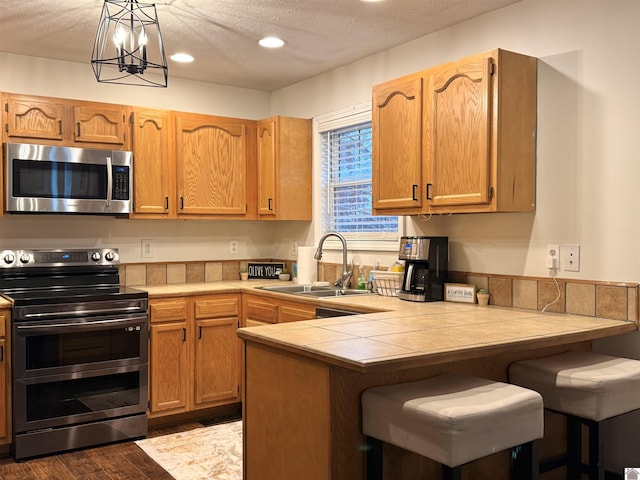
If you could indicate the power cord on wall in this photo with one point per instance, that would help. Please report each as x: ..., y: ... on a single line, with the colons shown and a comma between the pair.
x: 558, y: 287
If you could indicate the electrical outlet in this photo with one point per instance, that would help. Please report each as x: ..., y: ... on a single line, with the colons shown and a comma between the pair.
x: 233, y: 246
x: 146, y: 248
x: 294, y: 248
x: 571, y: 257
x: 552, y: 260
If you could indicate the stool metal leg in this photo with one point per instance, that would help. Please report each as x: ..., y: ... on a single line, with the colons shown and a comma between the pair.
x: 374, y: 458
x: 596, y: 450
x: 451, y: 473
x: 574, y: 448
x: 524, y: 461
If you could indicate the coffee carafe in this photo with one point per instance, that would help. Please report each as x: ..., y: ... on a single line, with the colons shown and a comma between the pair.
x: 425, y: 270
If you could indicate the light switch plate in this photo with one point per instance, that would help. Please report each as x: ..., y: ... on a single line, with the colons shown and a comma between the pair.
x: 146, y: 248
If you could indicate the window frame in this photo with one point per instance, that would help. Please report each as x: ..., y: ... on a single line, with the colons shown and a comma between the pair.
x: 347, y: 117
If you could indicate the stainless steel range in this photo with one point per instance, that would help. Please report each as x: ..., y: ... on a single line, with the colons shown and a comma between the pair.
x: 80, y: 353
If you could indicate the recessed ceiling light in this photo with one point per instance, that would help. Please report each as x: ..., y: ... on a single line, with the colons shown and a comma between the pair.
x: 181, y: 57
x: 271, y: 42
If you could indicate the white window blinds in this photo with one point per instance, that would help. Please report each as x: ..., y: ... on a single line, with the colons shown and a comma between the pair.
x: 346, y: 183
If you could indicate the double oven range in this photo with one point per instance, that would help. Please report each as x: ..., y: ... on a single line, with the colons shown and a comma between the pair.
x: 79, y: 350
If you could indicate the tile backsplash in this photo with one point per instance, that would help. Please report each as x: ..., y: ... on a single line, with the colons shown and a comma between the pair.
x: 581, y: 297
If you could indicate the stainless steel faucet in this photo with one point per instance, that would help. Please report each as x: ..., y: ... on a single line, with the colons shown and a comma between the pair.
x: 342, y: 282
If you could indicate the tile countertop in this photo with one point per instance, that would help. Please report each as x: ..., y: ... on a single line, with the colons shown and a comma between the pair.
x: 408, y: 334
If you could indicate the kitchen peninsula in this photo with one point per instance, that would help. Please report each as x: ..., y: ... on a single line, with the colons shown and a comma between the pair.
x: 302, y: 381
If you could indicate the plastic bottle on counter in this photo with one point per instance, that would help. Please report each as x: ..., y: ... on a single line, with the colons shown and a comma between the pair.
x: 361, y: 285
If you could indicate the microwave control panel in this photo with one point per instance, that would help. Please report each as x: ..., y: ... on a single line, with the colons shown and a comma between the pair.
x: 120, y: 183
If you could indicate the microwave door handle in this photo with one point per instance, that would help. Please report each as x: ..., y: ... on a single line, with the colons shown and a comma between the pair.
x: 109, y: 182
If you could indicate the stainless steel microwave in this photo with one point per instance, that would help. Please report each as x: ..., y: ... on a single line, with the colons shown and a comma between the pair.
x: 50, y: 179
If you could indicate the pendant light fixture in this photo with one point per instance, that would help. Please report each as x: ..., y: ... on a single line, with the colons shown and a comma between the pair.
x: 128, y: 48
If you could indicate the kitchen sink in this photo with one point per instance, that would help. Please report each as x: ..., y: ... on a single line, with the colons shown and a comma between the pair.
x: 293, y: 288
x: 334, y: 292
x: 313, y: 291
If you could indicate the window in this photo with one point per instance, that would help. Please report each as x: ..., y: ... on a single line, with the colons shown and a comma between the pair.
x: 346, y: 181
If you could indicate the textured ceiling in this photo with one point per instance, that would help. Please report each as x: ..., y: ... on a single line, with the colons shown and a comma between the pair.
x: 222, y: 35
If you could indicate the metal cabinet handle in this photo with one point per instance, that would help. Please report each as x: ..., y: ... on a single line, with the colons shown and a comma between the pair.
x: 414, y: 192
x: 166, y: 203
x: 184, y: 334
x: 59, y: 127
x: 269, y: 204
x: 78, y: 129
x: 429, y: 191
x: 181, y: 203
x: 199, y: 332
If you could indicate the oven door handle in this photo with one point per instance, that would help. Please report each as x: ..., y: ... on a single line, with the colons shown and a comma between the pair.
x: 84, y: 325
x: 78, y: 313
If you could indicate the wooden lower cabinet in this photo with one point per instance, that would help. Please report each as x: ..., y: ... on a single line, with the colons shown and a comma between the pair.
x: 5, y: 378
x: 194, y: 353
x: 258, y: 310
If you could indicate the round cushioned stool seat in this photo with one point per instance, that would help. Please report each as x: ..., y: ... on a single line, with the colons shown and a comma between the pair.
x: 583, y: 384
x: 453, y: 419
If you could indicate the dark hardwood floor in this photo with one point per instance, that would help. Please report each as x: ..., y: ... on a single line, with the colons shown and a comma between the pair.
x: 118, y: 461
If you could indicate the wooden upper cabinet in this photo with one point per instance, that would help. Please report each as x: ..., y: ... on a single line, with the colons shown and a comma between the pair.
x: 99, y: 124
x: 32, y: 117
x: 481, y: 114
x: 284, y: 168
x: 154, y: 166
x: 478, y: 137
x: 58, y: 121
x: 213, y: 158
x: 460, y: 135
x: 397, y: 145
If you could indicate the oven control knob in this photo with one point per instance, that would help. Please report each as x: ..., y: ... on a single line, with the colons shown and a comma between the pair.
x: 24, y: 258
x: 110, y: 256
x: 9, y: 258
x: 95, y: 256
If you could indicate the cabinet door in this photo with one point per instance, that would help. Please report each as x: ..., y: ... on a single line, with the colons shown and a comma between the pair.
x: 459, y: 134
x: 34, y: 118
x: 153, y: 168
x: 211, y: 166
x: 267, y: 132
x: 4, y: 377
x: 169, y: 371
x: 216, y: 358
x: 98, y: 124
x: 397, y: 145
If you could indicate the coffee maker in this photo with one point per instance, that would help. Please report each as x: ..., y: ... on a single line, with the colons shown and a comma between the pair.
x: 425, y: 270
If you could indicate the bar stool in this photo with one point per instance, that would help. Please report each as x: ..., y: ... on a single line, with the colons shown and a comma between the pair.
x: 454, y: 419
x: 587, y: 388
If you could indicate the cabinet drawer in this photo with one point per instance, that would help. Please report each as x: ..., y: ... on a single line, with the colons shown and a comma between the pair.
x: 262, y: 311
x: 216, y: 308
x: 167, y: 311
x: 295, y: 314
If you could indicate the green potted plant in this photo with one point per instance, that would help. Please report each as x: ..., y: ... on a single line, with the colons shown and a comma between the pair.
x: 244, y: 274
x: 284, y: 274
x: 483, y: 297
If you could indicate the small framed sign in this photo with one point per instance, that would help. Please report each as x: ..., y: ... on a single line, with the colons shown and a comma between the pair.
x: 460, y: 292
x: 265, y: 270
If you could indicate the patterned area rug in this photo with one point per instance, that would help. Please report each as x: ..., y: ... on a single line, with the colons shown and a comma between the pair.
x: 208, y: 453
